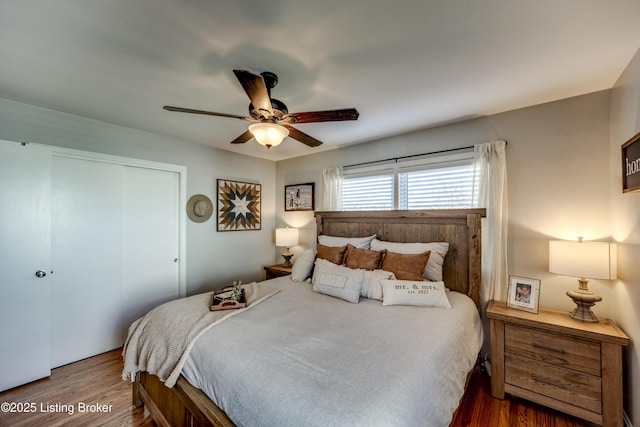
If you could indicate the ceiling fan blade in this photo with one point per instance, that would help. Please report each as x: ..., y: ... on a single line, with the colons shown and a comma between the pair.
x: 207, y: 113
x: 302, y: 137
x: 256, y: 89
x: 243, y: 138
x: 322, y: 116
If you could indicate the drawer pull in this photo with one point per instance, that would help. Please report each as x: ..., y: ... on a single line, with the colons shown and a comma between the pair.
x: 549, y: 382
x: 544, y: 347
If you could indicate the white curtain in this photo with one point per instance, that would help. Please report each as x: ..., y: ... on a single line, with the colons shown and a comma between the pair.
x: 332, y: 194
x: 490, y: 164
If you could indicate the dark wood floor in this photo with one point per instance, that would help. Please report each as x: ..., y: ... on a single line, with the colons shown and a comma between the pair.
x: 97, y: 380
x: 479, y: 408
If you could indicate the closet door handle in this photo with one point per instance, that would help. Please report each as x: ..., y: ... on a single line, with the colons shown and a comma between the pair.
x: 40, y: 274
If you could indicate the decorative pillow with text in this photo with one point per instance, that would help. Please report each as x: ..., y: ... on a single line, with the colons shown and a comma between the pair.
x: 419, y: 293
x: 337, y: 281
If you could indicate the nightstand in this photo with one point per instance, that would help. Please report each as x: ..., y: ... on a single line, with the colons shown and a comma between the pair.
x: 556, y: 361
x: 278, y: 270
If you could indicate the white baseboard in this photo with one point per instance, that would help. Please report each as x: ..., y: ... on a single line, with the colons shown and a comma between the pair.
x: 627, y: 421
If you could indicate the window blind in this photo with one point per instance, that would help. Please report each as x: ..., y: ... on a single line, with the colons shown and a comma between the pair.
x: 371, y: 192
x: 440, y: 188
x: 433, y: 183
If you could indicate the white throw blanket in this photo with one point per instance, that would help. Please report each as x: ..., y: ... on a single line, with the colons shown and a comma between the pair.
x: 150, y: 348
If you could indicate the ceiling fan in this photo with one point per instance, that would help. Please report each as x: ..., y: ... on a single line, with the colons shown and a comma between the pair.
x: 272, y: 120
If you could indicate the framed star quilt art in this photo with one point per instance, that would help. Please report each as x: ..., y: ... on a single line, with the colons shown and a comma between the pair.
x: 239, y: 205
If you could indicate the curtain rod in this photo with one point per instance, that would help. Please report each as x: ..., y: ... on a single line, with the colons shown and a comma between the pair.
x: 395, y: 159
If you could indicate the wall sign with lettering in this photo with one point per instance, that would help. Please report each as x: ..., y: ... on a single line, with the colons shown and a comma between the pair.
x: 631, y: 164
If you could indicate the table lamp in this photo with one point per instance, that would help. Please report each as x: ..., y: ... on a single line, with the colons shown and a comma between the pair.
x: 593, y: 260
x: 286, y: 237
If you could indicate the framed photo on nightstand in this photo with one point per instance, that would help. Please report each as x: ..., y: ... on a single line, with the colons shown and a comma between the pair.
x: 523, y: 294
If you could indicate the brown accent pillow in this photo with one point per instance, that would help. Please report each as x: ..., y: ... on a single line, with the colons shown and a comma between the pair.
x: 363, y: 258
x: 331, y: 254
x: 406, y: 266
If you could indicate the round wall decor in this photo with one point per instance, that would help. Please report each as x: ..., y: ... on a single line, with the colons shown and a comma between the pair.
x: 199, y: 208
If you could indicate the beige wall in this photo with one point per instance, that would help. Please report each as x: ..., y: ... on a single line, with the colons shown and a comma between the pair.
x: 213, y: 259
x: 558, y: 180
x: 558, y: 177
x: 625, y: 208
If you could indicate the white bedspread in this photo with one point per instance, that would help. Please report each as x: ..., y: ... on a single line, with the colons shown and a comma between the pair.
x: 307, y: 359
x: 160, y: 341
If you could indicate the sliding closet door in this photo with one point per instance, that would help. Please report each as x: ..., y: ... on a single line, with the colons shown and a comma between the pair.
x: 115, y: 252
x: 87, y: 261
x: 88, y: 243
x: 24, y: 251
x: 151, y: 241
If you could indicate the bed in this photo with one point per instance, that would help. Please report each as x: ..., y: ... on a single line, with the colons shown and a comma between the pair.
x: 337, y: 367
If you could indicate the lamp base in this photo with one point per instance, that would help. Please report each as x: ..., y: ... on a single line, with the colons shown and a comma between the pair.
x: 287, y: 258
x: 584, y: 300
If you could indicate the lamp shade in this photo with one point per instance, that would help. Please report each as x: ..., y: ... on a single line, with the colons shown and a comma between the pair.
x: 592, y: 260
x: 268, y: 134
x: 286, y: 237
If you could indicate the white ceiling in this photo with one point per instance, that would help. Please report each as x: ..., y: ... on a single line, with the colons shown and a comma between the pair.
x: 405, y: 65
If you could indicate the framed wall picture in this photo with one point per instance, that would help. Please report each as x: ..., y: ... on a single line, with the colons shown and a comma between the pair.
x: 299, y: 197
x: 523, y: 293
x: 631, y: 164
x: 239, y: 205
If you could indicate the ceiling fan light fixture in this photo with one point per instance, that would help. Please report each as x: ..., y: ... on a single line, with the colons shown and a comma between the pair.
x: 267, y: 112
x: 268, y: 134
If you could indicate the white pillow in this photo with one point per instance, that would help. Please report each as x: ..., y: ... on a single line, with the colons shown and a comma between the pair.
x: 337, y: 281
x: 409, y: 292
x: 303, y: 265
x: 371, y: 287
x: 433, y: 271
x: 358, y: 242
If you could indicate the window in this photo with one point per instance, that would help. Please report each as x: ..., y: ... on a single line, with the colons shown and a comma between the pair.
x: 373, y: 192
x: 432, y: 183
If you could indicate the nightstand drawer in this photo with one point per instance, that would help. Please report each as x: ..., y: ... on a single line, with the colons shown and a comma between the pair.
x: 560, y: 350
x: 554, y: 360
x: 583, y: 391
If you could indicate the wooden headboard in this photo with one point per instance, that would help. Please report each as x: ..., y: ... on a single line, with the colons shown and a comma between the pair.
x: 461, y: 228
